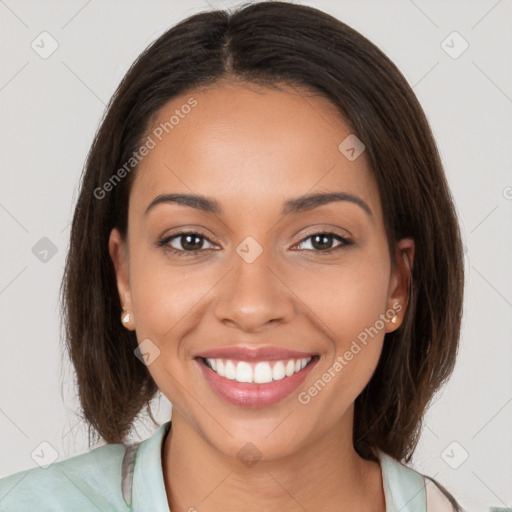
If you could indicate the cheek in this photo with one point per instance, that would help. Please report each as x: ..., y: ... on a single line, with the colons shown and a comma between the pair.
x: 167, y: 304
x: 346, y: 301
x: 349, y: 305
x: 165, y: 298
x: 360, y: 316
x: 351, y: 314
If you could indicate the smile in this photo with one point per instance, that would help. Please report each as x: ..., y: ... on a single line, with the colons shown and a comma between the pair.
x: 255, y: 384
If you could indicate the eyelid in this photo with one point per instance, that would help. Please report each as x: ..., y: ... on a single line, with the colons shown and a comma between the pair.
x: 331, y: 230
x: 165, y: 239
x: 345, y: 241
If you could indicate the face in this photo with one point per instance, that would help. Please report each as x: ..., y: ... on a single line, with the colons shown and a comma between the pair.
x: 258, y: 276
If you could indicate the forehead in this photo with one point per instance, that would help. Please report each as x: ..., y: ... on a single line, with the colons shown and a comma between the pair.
x: 249, y: 147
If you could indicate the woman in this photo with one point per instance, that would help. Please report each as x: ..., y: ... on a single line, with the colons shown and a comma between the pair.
x: 264, y: 233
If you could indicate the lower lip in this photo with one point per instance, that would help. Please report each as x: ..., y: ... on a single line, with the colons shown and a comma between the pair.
x: 246, y: 394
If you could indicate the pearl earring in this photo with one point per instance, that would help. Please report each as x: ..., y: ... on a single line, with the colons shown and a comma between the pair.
x: 125, y: 318
x: 394, y: 319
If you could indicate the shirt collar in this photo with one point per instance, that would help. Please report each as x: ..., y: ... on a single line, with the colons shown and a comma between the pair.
x: 148, y: 490
x: 404, y: 488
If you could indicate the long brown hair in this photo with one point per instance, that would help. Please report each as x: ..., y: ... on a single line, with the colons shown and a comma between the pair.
x: 274, y: 43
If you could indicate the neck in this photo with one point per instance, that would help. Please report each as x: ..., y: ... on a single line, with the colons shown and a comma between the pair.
x: 327, y: 474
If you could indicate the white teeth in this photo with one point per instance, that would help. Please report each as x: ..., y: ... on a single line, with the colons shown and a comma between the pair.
x: 259, y: 373
x: 262, y: 373
x: 243, y: 372
x: 278, y: 371
x: 230, y: 370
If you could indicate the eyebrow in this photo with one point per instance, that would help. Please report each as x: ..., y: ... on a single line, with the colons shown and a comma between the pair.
x: 296, y: 205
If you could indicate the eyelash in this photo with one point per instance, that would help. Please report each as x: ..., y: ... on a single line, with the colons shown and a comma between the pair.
x: 182, y: 253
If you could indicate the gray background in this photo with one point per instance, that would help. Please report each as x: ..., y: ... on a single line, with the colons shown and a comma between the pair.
x: 49, y: 111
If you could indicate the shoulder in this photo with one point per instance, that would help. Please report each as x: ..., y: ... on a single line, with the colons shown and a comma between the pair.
x: 89, y: 481
x: 407, y: 490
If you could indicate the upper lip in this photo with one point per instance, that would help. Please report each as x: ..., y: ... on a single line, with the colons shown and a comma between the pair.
x: 254, y: 354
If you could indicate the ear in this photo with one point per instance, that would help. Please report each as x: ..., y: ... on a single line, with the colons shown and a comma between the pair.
x: 118, y: 250
x: 399, y: 284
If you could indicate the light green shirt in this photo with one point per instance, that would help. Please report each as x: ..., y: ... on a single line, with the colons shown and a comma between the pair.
x: 118, y: 478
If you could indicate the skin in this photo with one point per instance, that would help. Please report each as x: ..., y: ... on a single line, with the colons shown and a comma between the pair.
x: 252, y: 148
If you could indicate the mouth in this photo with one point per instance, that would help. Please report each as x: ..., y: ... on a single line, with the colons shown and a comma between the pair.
x: 250, y: 383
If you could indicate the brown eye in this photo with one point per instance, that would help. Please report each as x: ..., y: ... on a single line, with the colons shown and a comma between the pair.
x: 189, y: 242
x: 185, y: 243
x: 322, y: 241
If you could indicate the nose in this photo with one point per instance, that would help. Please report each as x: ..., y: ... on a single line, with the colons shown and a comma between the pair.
x: 253, y: 295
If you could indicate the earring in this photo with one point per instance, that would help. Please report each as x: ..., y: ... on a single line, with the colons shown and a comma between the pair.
x: 125, y: 317
x: 394, y: 319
